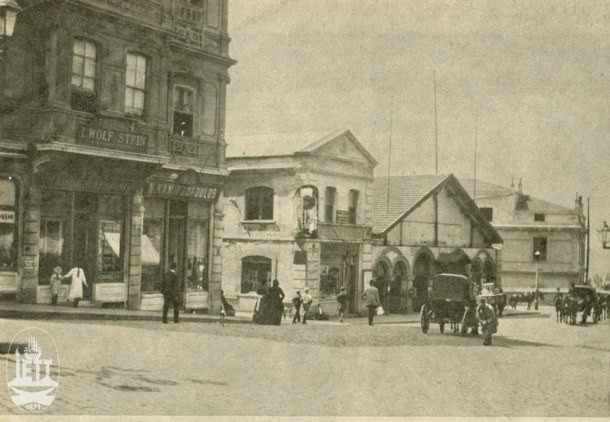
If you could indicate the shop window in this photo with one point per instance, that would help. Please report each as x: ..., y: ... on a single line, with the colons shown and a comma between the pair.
x: 152, y: 241
x: 50, y: 247
x: 259, y: 203
x: 255, y: 271
x: 353, y: 206
x: 8, y: 226
x: 329, y: 280
x: 197, y: 246
x: 135, y: 84
x: 329, y: 200
x: 110, y: 247
x: 306, y: 210
x: 540, y: 245
x: 84, y: 62
x: 488, y: 213
x: 184, y: 111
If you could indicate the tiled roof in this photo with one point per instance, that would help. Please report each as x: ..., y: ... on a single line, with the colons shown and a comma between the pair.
x: 273, y: 144
x: 485, y: 189
x: 405, y: 192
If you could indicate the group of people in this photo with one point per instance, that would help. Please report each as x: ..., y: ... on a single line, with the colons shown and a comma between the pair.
x: 269, y: 308
x: 77, y: 280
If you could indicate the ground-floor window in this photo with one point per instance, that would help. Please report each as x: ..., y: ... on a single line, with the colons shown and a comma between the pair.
x: 8, y: 226
x: 83, y: 229
x: 175, y: 232
x: 338, y: 268
x: 255, y: 272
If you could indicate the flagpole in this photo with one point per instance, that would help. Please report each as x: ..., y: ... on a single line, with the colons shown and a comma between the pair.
x: 474, y: 190
x: 435, y: 127
x: 390, y: 156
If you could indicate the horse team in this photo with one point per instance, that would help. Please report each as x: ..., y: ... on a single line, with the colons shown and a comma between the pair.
x: 567, y: 308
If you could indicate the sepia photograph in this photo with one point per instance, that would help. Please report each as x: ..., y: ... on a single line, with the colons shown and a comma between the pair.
x: 317, y: 210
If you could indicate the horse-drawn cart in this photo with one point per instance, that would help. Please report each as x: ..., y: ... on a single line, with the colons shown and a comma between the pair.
x: 450, y: 297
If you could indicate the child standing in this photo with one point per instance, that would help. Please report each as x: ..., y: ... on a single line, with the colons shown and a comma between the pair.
x: 55, y: 284
x: 342, y: 299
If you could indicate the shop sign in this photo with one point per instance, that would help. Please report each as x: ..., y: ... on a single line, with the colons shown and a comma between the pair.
x: 7, y: 217
x: 176, y: 190
x: 29, y: 262
x: 90, y: 183
x: 112, y: 139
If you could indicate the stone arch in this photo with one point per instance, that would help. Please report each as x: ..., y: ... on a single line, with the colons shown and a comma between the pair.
x: 400, y: 285
x: 488, y: 267
x: 476, y: 271
x: 424, y: 268
x: 454, y: 262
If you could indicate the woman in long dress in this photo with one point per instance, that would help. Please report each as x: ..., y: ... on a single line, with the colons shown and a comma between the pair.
x: 276, y: 304
x: 77, y: 276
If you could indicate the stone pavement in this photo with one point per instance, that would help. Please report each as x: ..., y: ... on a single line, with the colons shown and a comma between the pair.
x: 64, y: 312
x: 131, y: 367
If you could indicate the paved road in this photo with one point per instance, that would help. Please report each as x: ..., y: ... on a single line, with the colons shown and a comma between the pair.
x: 535, y: 368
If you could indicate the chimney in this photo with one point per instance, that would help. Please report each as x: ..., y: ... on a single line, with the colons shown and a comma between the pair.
x: 512, y: 183
x: 520, y: 186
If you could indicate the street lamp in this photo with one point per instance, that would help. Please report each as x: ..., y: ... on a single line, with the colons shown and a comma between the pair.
x: 537, y: 256
x: 8, y: 16
x: 603, y: 235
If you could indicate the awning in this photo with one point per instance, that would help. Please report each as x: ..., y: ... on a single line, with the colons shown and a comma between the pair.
x: 150, y: 256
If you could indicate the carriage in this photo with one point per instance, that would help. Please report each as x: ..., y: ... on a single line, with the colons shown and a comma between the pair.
x: 450, y: 300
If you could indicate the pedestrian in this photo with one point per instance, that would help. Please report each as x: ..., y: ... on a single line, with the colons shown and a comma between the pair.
x: 371, y: 295
x: 307, y: 299
x: 501, y: 303
x: 262, y: 310
x: 171, y: 293
x: 297, y: 301
x: 487, y: 318
x: 55, y: 284
x: 342, y: 299
x: 276, y: 303
x: 77, y: 276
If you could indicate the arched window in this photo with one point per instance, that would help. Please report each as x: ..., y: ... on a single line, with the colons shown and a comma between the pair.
x: 255, y: 271
x: 306, y: 211
x: 259, y: 203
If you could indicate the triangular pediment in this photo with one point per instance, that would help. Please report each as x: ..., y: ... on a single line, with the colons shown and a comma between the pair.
x: 343, y: 145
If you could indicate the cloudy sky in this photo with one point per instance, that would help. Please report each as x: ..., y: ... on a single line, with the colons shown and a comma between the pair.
x: 531, y: 78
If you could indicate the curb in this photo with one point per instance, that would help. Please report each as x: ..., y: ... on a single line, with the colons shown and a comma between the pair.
x: 16, y: 314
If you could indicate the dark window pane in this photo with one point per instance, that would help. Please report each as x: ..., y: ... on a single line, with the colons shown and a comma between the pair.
x: 183, y: 124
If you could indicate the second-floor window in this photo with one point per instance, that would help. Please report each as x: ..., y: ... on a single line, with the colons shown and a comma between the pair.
x: 540, y: 245
x: 329, y: 207
x: 353, y: 205
x: 259, y: 203
x: 539, y: 217
x: 84, y: 58
x: 135, y: 84
x: 184, y: 111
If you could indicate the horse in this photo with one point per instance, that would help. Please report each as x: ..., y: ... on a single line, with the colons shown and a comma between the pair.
x: 526, y: 298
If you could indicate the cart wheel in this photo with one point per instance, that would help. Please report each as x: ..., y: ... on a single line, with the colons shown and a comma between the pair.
x: 425, y: 319
x: 441, y: 326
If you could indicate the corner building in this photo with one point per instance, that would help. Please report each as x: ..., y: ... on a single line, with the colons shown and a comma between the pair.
x: 112, y: 149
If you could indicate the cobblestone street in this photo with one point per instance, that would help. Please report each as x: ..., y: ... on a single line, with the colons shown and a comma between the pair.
x: 535, y: 368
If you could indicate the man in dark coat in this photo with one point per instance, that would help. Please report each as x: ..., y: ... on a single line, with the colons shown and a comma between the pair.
x: 171, y: 293
x: 371, y: 296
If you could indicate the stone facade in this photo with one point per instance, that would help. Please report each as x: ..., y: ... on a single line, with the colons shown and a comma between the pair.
x: 112, y: 117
